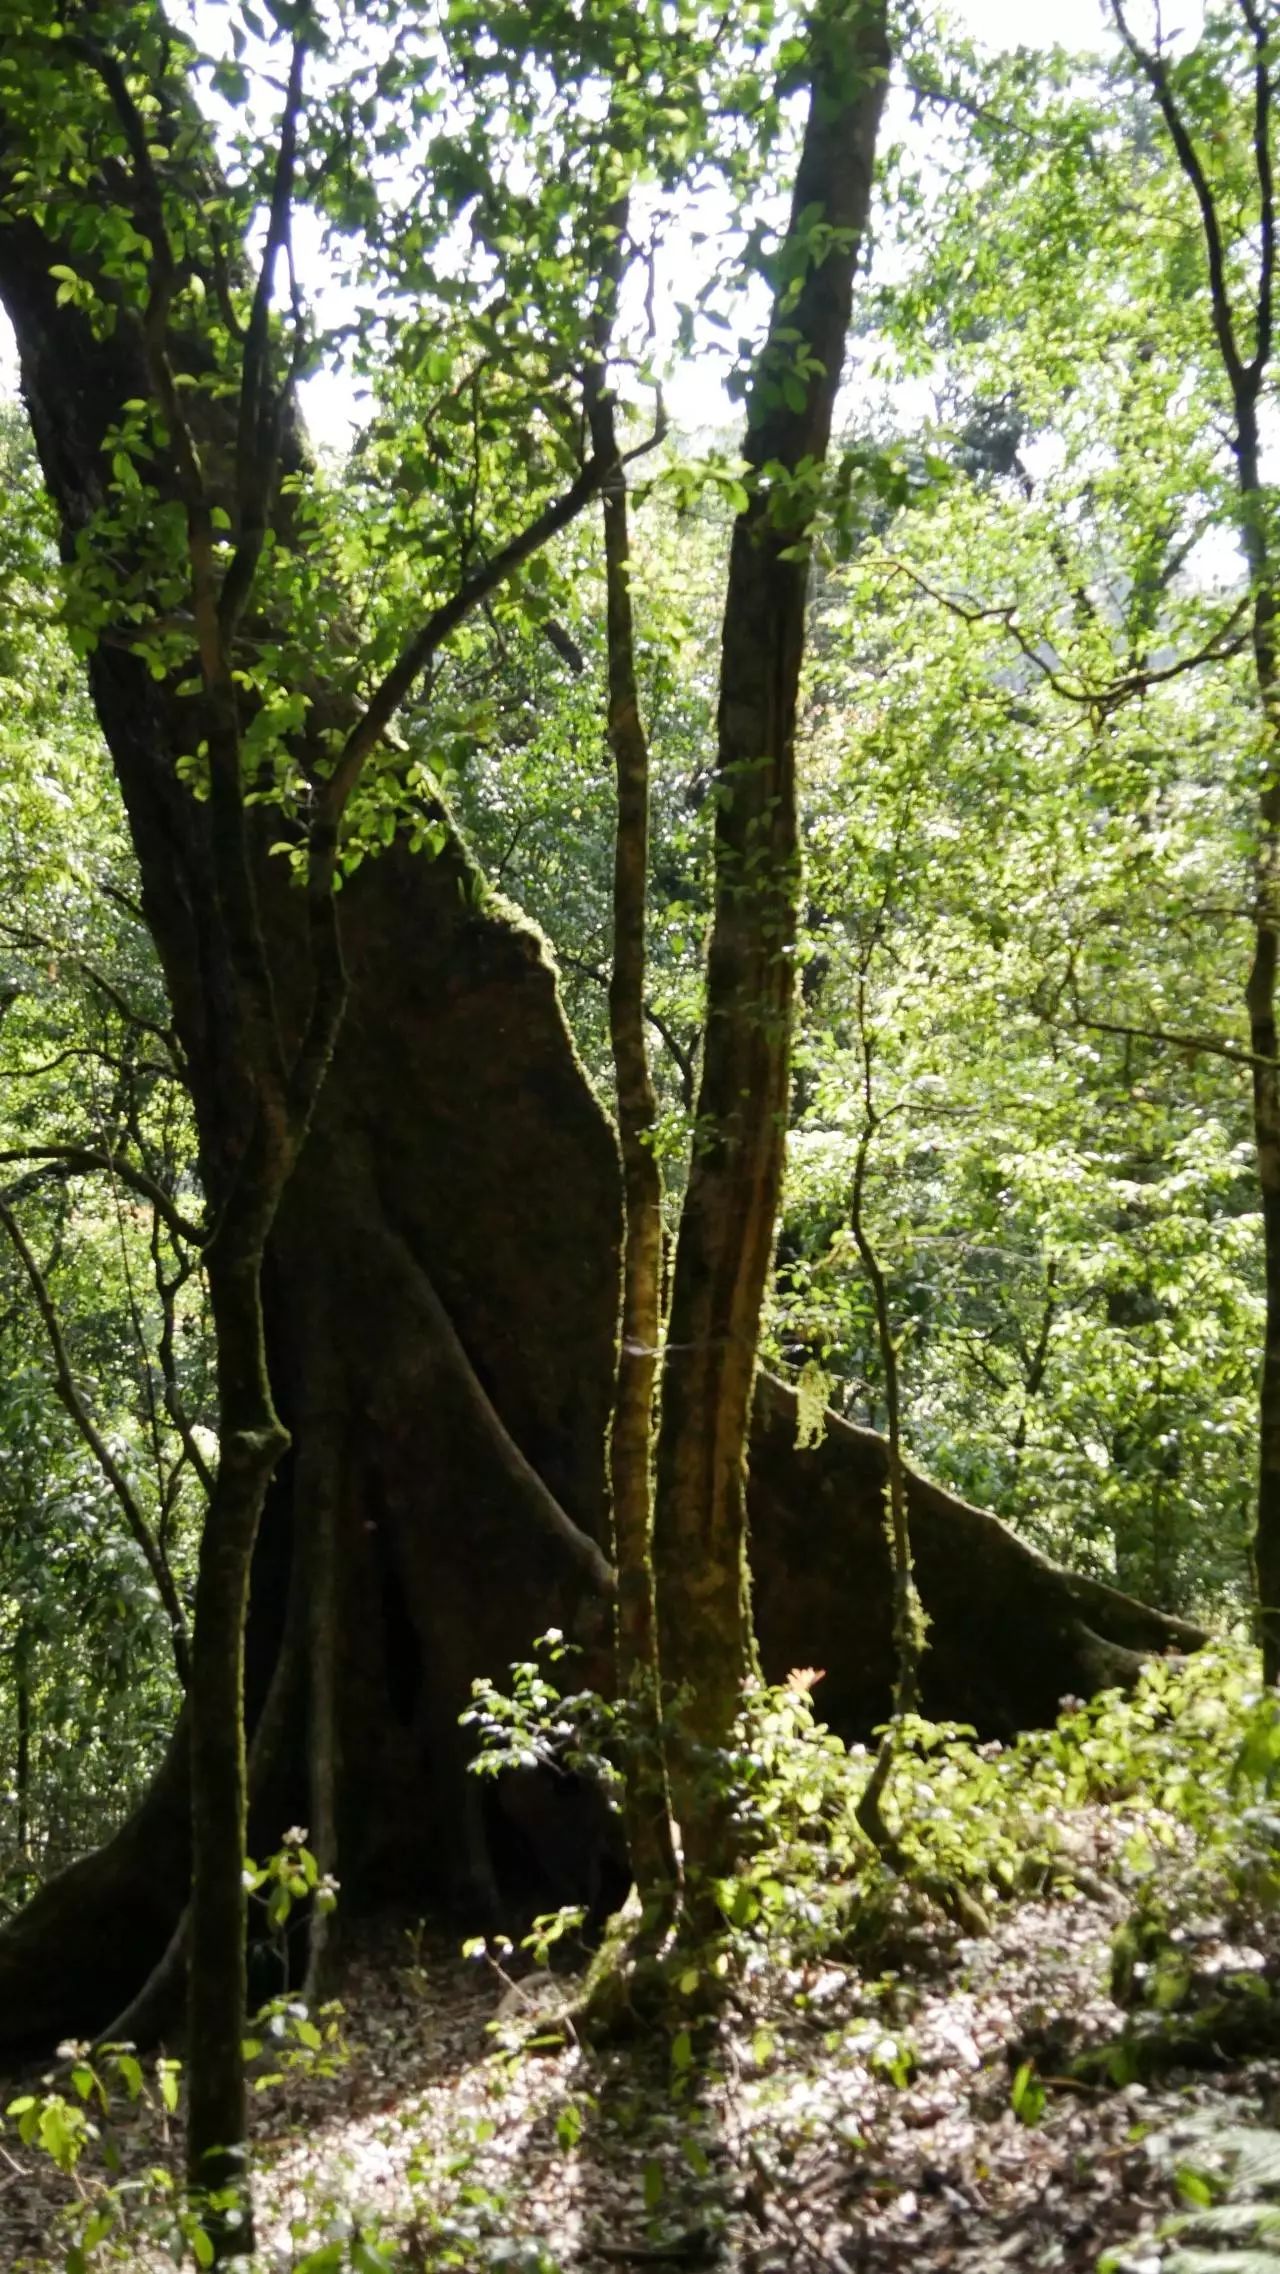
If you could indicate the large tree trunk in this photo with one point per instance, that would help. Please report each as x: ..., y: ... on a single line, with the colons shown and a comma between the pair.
x: 449, y: 1240
x: 452, y: 1230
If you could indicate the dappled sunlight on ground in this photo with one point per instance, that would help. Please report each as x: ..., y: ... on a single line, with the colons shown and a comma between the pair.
x: 841, y: 2119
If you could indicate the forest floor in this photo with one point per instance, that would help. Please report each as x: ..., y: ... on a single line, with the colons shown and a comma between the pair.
x: 841, y: 2119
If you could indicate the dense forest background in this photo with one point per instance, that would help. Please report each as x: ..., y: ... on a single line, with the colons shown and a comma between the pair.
x: 1027, y: 828
x: 913, y: 1084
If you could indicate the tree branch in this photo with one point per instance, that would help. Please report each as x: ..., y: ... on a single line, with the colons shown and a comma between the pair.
x: 682, y: 1053
x: 88, y: 1160
x: 262, y: 405
x: 1220, y: 645
x: 1155, y: 71
x: 335, y: 792
x: 1199, y: 1045
x: 1262, y: 104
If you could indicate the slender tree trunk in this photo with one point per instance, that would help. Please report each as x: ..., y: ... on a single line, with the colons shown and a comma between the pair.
x: 1260, y: 998
x: 322, y: 1477
x: 908, y: 1624
x: 648, y: 1813
x: 251, y: 1441
x: 726, y: 1233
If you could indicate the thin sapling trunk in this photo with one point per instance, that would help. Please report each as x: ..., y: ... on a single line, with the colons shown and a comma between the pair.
x: 908, y: 1617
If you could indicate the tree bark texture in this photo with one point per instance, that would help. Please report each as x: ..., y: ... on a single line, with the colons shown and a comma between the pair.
x: 251, y: 1442
x: 727, y: 1224
x: 631, y: 1433
x: 647, y: 1806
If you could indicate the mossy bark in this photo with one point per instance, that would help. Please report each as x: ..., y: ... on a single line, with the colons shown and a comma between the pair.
x: 251, y: 1441
x: 725, y: 1242
x: 647, y: 1802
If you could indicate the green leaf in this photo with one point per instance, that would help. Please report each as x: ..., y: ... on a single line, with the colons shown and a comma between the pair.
x: 368, y: 2258
x: 569, y: 2126
x: 1027, y: 2095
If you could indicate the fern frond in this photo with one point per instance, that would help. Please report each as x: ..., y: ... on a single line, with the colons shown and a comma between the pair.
x: 1256, y: 2152
x: 1256, y: 2260
x: 1261, y: 2220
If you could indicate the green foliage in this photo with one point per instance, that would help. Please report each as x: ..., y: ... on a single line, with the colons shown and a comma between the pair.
x: 1031, y: 857
x: 535, y: 1724
x: 1027, y: 2095
x: 110, y: 2215
x: 1027, y: 841
x: 86, y: 1056
x: 997, y: 857
x: 289, y: 1877
x: 463, y: 2219
x: 74, y: 2117
x: 1187, y: 1769
x: 1228, y: 2174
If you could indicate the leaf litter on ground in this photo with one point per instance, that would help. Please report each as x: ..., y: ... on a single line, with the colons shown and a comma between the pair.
x: 853, y: 2110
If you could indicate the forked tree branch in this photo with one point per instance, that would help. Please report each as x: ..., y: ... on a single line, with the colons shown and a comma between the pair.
x: 1218, y: 648
x: 90, y: 1160
x: 1156, y: 72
